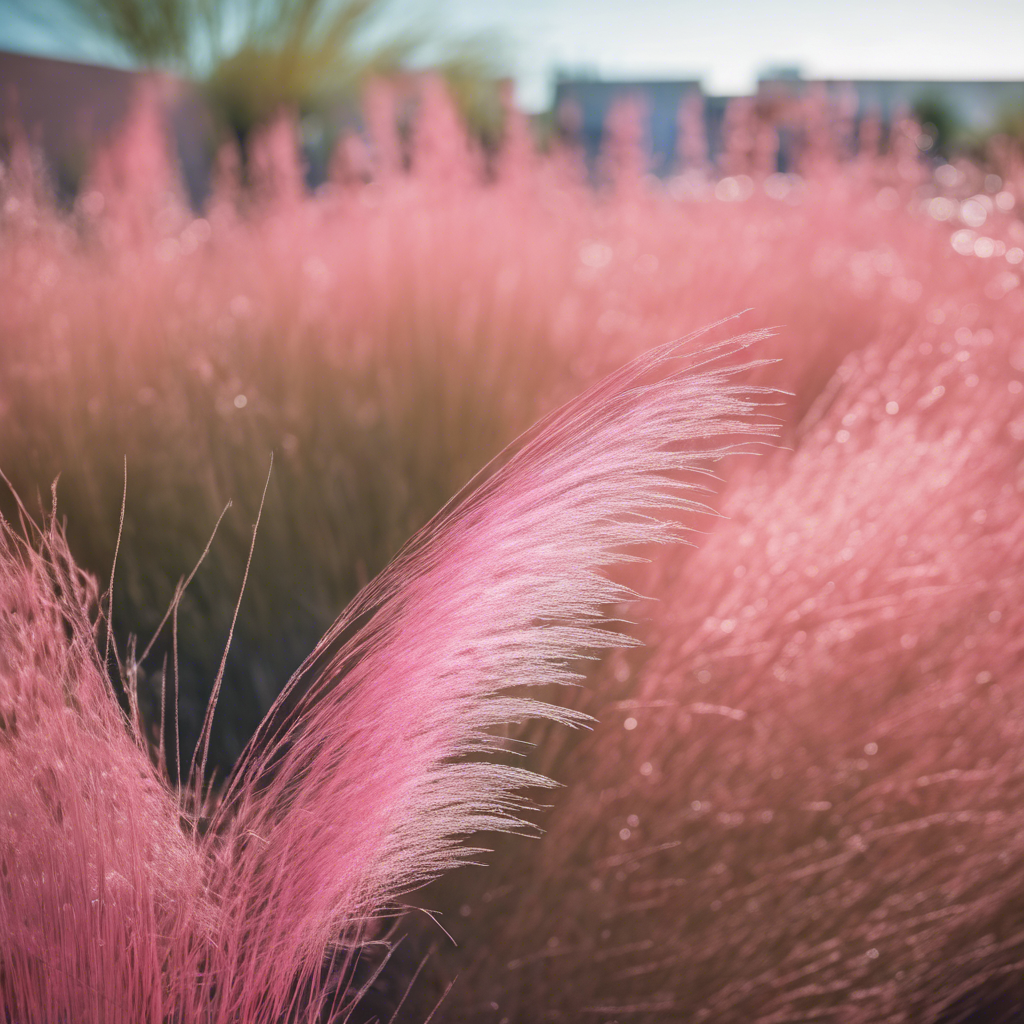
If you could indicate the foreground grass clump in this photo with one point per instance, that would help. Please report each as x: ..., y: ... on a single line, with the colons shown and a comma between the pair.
x: 800, y: 799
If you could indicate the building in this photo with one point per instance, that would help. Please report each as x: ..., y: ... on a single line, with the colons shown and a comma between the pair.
x: 66, y: 108
x: 972, y: 109
x: 959, y: 111
x: 586, y: 103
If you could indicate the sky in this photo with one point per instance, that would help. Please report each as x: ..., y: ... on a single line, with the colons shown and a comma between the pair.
x: 725, y: 43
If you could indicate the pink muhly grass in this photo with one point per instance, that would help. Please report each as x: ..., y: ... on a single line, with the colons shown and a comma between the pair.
x: 376, y: 760
x: 805, y: 796
x: 99, y: 887
x: 384, y: 346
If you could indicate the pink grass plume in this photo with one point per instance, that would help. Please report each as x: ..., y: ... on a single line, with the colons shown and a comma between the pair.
x: 373, y: 763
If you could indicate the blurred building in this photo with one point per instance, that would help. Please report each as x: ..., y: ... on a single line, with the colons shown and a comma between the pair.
x: 976, y: 108
x: 957, y: 111
x: 583, y: 104
x: 67, y: 108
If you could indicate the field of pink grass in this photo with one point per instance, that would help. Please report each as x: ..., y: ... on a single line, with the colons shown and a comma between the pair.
x: 799, y: 799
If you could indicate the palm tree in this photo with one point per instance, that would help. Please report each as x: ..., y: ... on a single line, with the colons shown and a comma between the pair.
x: 256, y: 56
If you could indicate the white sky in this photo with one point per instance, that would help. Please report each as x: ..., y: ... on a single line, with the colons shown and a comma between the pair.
x: 723, y: 42
x: 727, y: 42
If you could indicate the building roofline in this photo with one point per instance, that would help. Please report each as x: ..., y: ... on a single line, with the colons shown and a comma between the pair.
x: 890, y: 81
x: 74, y: 61
x: 563, y: 79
